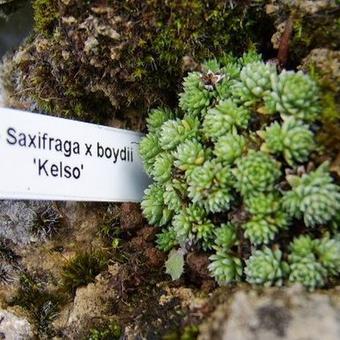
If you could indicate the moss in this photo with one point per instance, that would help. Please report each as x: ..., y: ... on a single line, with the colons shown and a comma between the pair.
x: 89, y: 60
x: 110, y: 235
x: 315, y: 31
x: 45, y: 15
x: 324, y: 65
x: 42, y: 305
x: 111, y: 331
x: 82, y: 269
x: 110, y: 231
x: 189, y: 332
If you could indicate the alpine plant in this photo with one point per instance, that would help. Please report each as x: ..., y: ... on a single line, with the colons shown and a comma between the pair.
x: 234, y: 176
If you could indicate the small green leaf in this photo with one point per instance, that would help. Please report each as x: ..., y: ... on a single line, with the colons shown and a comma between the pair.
x: 175, y: 263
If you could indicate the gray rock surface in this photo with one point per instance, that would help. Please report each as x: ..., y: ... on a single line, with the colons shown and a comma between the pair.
x: 13, y: 327
x: 276, y: 314
x: 17, y: 219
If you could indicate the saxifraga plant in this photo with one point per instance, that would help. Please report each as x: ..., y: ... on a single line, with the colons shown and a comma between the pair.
x: 240, y: 142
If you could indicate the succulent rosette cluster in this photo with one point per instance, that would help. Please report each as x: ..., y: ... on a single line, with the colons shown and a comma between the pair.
x: 230, y: 175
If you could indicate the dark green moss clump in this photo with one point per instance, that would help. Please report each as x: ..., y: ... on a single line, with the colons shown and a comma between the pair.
x: 111, y: 331
x: 82, y: 269
x: 45, y: 15
x: 6, y: 252
x: 42, y: 304
x: 189, y: 332
x: 89, y: 59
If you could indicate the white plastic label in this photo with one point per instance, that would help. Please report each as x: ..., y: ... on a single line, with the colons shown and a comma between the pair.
x: 49, y: 158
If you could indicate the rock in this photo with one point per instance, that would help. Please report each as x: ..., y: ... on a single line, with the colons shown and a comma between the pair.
x: 88, y: 302
x: 91, y: 303
x: 282, y: 314
x: 314, y: 25
x: 13, y: 327
x: 326, y: 63
x: 17, y: 219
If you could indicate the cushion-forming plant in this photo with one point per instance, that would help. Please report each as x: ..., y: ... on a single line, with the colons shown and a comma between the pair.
x: 235, y: 175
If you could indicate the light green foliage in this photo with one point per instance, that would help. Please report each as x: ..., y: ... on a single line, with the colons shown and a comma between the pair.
x: 224, y: 118
x: 314, y: 197
x: 307, y: 271
x: 266, y: 267
x: 189, y: 154
x: 220, y: 184
x: 328, y: 253
x: 166, y: 240
x: 263, y: 204
x: 293, y: 139
x: 193, y: 224
x: 262, y: 230
x: 157, y: 117
x: 250, y: 57
x: 163, y: 167
x: 173, y: 194
x: 296, y: 94
x: 225, y: 236
x: 154, y: 208
x: 256, y: 172
x: 196, y: 96
x: 210, y: 185
x: 225, y: 268
x: 175, y: 264
x: 302, y: 246
x: 229, y: 147
x: 149, y: 148
x: 174, y: 132
x: 255, y: 82
x: 313, y: 260
x: 267, y: 218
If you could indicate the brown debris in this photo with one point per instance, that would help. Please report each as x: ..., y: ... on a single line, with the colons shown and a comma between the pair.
x: 283, y: 52
x: 148, y: 233
x: 197, y: 264
x: 131, y: 216
x: 155, y: 258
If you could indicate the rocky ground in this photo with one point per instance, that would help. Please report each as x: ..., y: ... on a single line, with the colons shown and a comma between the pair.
x: 92, y: 271
x: 131, y: 293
